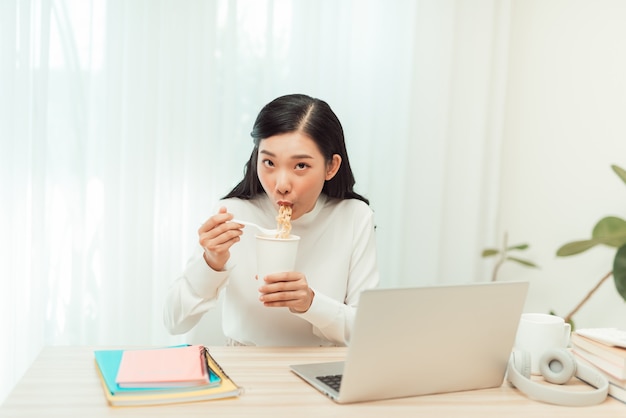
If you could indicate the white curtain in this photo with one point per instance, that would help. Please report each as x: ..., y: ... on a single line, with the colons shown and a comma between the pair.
x: 122, y: 122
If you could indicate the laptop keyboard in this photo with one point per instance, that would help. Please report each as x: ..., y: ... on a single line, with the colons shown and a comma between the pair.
x: 333, y: 380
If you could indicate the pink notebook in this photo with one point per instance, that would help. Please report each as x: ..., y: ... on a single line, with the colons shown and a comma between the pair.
x: 173, y: 366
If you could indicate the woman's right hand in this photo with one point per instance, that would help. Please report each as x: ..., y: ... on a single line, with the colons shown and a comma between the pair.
x: 216, y: 236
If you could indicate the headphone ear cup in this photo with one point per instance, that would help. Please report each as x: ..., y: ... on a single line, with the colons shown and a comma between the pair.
x: 557, y: 365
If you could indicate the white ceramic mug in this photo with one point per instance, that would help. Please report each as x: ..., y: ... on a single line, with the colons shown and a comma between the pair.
x: 538, y: 332
x: 275, y: 255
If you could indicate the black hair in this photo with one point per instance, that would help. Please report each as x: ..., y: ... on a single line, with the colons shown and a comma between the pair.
x: 313, y: 117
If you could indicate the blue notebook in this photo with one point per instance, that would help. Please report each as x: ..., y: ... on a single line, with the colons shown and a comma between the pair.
x: 108, y: 361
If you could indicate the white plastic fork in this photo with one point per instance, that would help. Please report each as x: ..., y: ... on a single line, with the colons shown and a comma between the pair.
x: 265, y: 231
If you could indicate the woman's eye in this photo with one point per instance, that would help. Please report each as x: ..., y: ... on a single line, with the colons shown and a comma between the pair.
x: 268, y: 163
x: 301, y: 166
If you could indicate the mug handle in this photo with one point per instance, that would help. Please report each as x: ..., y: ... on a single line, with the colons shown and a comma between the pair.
x: 567, y: 330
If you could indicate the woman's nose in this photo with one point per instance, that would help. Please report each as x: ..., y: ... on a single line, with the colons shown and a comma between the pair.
x: 283, y: 184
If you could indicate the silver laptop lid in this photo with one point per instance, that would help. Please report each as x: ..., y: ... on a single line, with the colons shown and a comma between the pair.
x: 434, y: 339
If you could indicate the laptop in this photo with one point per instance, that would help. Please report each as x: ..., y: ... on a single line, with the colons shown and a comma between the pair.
x: 424, y: 340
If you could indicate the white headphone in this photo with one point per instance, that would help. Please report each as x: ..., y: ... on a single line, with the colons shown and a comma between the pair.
x: 557, y: 366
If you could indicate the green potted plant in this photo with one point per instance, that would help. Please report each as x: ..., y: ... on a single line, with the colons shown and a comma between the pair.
x: 609, y: 231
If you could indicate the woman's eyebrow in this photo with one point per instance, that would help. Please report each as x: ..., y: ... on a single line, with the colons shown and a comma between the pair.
x: 271, y: 154
x: 293, y: 157
x: 301, y: 157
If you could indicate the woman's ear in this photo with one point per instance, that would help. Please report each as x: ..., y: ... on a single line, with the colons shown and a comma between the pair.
x: 333, y: 167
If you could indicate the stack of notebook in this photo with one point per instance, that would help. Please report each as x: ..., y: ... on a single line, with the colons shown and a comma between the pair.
x: 607, y: 356
x: 162, y: 376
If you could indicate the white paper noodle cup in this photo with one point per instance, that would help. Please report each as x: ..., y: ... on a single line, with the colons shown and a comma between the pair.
x: 275, y: 255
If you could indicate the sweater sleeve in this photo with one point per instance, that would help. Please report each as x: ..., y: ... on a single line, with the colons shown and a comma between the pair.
x: 331, y: 319
x: 192, y: 295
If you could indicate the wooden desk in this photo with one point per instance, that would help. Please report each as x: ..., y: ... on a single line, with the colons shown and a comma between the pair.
x: 62, y: 382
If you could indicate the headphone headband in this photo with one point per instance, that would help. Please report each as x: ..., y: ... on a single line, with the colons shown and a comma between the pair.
x: 519, y: 376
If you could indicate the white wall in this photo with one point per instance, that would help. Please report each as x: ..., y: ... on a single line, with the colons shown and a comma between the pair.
x: 565, y: 125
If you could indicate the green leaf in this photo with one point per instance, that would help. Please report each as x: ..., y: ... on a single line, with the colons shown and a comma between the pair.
x: 489, y: 252
x: 518, y: 247
x: 619, y: 271
x: 620, y: 172
x: 576, y: 247
x: 610, y: 231
x: 523, y: 262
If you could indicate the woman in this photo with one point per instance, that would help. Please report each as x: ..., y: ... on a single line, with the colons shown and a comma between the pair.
x: 299, y: 160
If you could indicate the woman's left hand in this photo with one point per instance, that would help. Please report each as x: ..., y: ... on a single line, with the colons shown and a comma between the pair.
x: 289, y: 289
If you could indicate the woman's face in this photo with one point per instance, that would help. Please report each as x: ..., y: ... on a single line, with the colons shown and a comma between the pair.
x: 292, y: 171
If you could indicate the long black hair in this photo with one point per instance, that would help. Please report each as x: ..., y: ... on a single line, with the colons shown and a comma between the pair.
x: 313, y: 117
